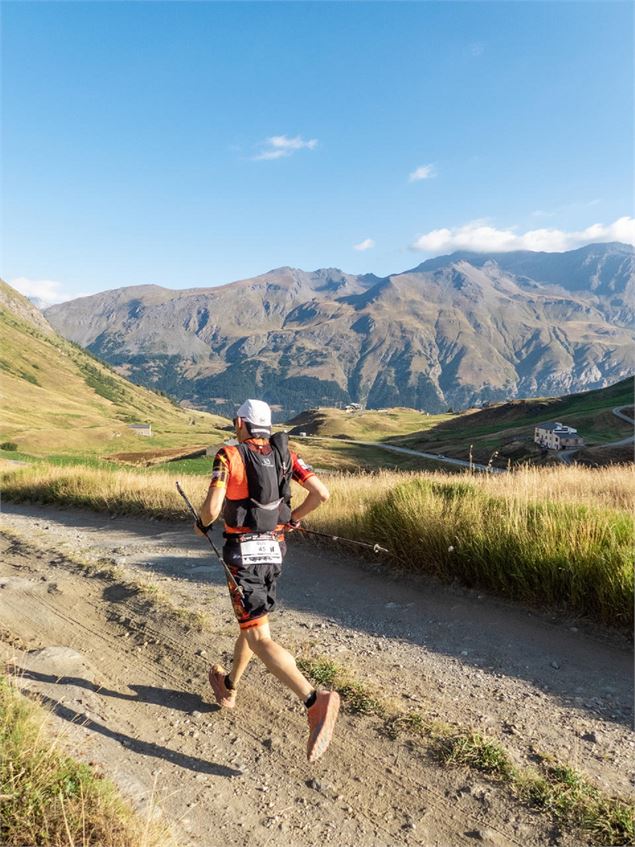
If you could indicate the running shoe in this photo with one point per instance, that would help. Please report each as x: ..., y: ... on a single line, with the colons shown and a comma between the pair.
x: 225, y: 697
x: 322, y: 716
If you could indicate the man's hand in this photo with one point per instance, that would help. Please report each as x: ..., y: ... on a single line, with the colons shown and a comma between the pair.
x: 199, y: 529
x: 292, y: 524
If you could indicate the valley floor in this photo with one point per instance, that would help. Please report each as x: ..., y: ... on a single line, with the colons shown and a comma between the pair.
x: 127, y: 682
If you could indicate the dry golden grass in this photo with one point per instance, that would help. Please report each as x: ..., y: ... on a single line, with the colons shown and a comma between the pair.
x: 560, y: 535
x: 611, y: 487
x: 117, y: 492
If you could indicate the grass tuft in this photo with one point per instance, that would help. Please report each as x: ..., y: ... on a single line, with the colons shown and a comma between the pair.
x: 568, y: 796
x: 476, y: 751
x: 358, y: 698
x: 48, y: 798
x: 323, y: 671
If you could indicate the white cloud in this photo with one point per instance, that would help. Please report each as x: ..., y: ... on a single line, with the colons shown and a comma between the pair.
x: 281, y: 146
x: 366, y: 244
x: 44, y: 292
x: 422, y: 172
x: 479, y: 236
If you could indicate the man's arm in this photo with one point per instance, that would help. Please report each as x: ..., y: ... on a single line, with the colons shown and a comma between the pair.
x: 318, y: 494
x: 213, y: 503
x: 211, y: 507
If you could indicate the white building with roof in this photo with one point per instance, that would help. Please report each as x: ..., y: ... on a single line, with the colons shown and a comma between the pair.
x: 557, y: 436
x: 141, y: 429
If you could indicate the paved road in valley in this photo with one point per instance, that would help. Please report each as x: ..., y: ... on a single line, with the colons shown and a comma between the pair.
x: 566, y: 456
x: 435, y: 457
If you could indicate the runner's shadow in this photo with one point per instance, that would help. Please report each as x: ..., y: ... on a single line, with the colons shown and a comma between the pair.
x: 144, y: 748
x: 182, y: 701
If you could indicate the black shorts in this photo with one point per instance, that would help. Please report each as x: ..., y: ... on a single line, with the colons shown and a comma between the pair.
x: 256, y: 581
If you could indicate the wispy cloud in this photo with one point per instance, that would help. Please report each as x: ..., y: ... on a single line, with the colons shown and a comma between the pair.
x: 43, y: 292
x: 366, y: 244
x: 567, y: 207
x: 281, y: 146
x: 480, y: 237
x: 422, y: 172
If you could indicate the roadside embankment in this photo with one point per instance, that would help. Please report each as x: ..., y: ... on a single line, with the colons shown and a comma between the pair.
x: 47, y: 797
x: 559, y: 536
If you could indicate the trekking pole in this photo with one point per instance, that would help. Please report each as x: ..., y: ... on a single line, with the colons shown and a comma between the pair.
x: 374, y: 547
x: 235, y: 591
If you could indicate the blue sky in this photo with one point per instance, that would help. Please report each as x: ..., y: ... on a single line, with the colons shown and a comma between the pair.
x: 189, y: 144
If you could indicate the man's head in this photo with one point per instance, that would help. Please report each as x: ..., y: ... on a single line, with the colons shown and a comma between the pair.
x: 253, y: 420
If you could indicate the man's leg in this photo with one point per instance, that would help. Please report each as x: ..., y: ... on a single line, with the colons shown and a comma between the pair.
x: 242, y: 656
x: 322, y: 706
x: 277, y: 660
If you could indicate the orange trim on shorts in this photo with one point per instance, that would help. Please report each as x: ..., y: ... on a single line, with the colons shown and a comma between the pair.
x: 263, y: 619
x: 244, y: 530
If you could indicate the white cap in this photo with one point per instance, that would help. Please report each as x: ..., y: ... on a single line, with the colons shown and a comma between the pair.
x: 258, y: 414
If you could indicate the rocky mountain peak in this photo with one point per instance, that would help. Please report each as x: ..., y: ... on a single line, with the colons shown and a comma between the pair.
x: 23, y: 308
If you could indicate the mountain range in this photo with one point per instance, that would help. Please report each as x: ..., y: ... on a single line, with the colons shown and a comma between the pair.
x: 455, y: 331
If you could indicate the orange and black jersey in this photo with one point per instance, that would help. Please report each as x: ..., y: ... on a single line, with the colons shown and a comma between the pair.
x: 229, y: 473
x: 221, y: 467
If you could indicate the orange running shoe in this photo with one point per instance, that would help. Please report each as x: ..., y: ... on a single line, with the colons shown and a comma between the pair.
x: 225, y: 697
x: 322, y: 716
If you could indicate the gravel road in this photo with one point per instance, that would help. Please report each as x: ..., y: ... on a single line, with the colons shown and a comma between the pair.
x: 129, y: 684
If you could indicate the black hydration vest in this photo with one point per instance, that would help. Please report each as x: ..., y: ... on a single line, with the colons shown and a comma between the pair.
x: 269, y: 484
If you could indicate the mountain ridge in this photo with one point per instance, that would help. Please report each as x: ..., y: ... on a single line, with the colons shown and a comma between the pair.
x: 454, y: 331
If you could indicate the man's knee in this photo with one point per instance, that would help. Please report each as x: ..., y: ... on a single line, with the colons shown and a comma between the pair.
x: 257, y: 636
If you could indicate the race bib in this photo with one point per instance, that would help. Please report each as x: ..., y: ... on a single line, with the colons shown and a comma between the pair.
x: 261, y: 551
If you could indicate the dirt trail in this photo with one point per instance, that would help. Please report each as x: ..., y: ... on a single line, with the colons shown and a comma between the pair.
x: 128, y: 683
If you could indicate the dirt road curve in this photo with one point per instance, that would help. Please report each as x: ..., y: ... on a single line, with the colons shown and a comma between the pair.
x: 619, y: 412
x: 128, y: 683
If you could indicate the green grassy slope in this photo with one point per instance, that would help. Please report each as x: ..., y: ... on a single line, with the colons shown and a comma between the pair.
x: 505, y: 427
x: 57, y: 399
x: 509, y: 426
x: 372, y: 425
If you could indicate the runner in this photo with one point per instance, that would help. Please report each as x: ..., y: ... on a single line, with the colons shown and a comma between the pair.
x: 251, y: 485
